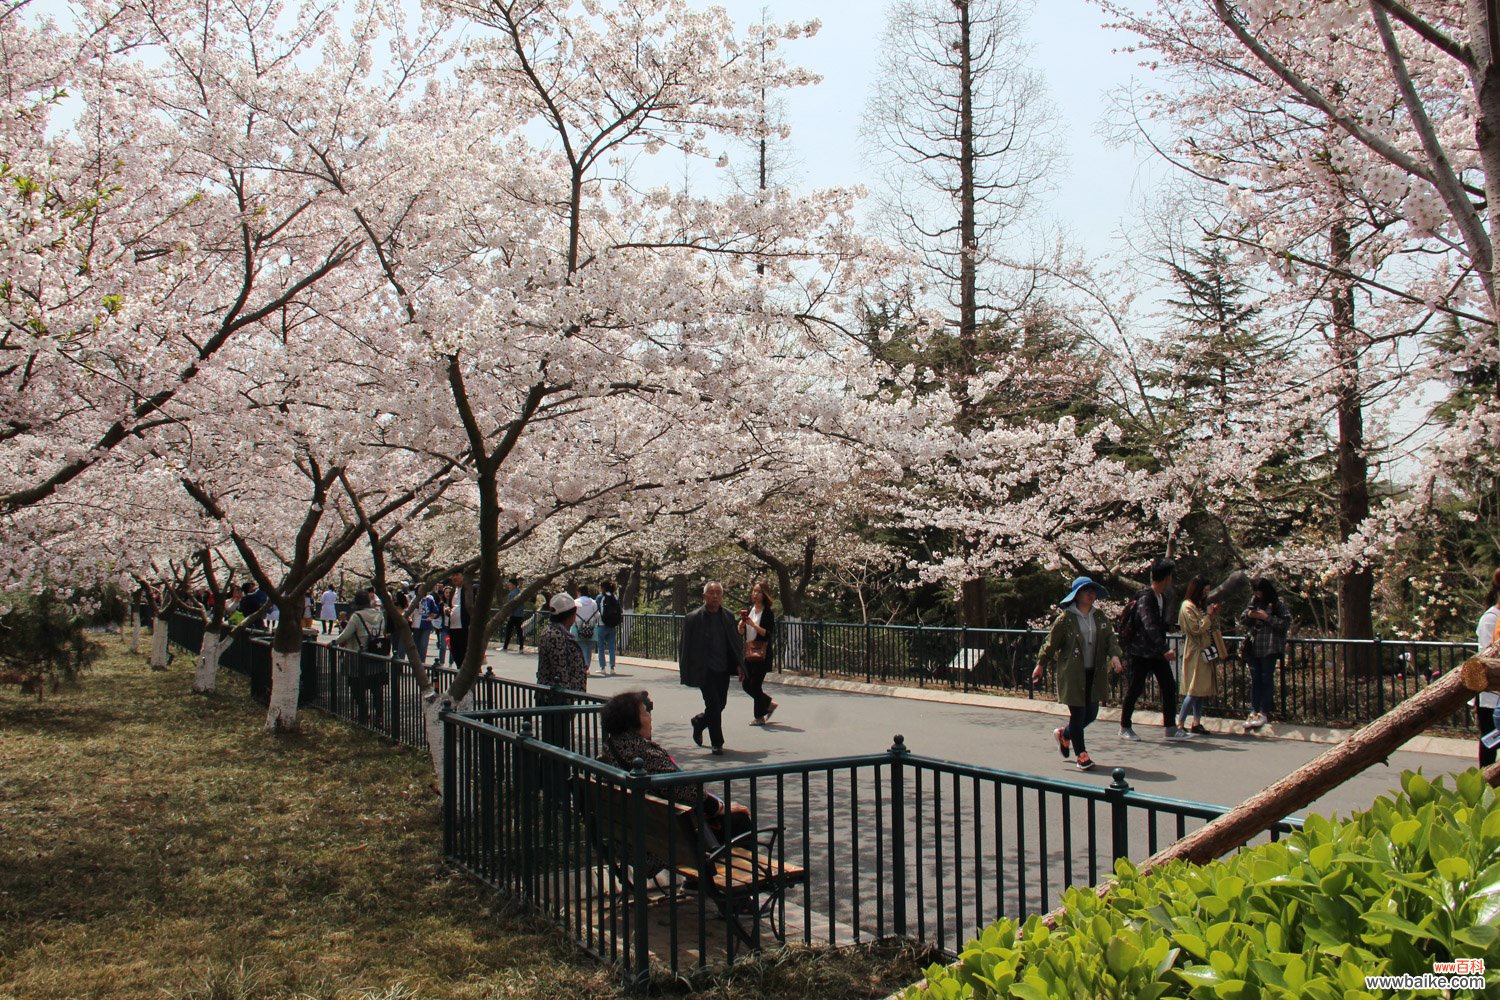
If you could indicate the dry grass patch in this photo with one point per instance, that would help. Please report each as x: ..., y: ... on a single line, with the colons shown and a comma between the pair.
x: 154, y: 843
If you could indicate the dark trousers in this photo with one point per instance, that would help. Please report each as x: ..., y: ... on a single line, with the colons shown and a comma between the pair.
x: 1080, y: 716
x: 755, y: 686
x: 367, y: 691
x: 1262, y: 684
x: 715, y: 689
x: 1486, y: 723
x: 458, y: 645
x: 1142, y: 667
x: 515, y: 625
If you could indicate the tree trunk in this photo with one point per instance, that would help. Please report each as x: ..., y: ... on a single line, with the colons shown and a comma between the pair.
x: 679, y: 593
x: 286, y: 668
x: 974, y: 604
x: 1356, y: 583
x: 206, y: 677
x: 135, y: 629
x: 158, y: 643
x: 630, y: 592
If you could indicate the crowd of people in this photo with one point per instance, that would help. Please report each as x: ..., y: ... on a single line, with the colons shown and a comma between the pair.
x: 577, y: 636
x: 1083, y: 648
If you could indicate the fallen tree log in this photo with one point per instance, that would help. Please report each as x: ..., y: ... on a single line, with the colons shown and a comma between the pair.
x: 1373, y: 744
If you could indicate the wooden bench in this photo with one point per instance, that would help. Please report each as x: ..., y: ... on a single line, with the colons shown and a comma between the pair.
x: 744, y: 877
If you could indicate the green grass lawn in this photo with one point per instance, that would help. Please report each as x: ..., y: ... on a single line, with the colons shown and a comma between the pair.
x: 154, y: 843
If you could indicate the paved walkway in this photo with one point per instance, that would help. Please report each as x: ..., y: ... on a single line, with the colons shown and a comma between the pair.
x: 819, y: 722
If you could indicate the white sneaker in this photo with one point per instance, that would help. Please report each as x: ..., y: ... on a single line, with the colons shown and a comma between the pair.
x: 1129, y: 734
x: 1179, y: 734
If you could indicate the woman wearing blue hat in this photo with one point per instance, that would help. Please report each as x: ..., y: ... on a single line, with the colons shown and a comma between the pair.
x: 1082, y: 647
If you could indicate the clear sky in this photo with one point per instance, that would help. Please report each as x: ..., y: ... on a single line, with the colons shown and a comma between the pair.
x: 1100, y: 187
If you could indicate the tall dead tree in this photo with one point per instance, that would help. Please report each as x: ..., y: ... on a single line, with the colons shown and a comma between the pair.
x: 958, y: 121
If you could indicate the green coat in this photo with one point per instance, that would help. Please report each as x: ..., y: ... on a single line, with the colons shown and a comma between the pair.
x: 1063, y: 652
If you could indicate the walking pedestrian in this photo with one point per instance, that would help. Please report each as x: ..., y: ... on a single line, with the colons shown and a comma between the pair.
x: 328, y: 610
x: 517, y: 621
x: 606, y: 636
x: 445, y: 603
x: 584, y: 624
x: 460, y: 610
x: 1149, y: 653
x: 757, y: 625
x: 1200, y: 654
x: 1267, y: 622
x: 1082, y: 649
x: 709, y: 655
x: 1485, y: 635
x: 429, y: 614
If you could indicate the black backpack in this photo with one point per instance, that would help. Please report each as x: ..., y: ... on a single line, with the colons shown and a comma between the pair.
x: 610, y: 612
x: 1125, y: 627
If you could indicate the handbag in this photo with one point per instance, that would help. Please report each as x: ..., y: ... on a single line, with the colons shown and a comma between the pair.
x: 756, y: 650
x: 1215, y: 650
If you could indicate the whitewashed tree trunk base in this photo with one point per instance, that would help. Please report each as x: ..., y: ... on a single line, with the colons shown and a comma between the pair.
x: 206, y: 677
x: 159, y: 644
x: 433, y: 723
x: 286, y: 686
x: 135, y: 630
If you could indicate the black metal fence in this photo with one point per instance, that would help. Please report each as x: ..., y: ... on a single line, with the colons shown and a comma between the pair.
x: 845, y: 850
x: 1324, y: 682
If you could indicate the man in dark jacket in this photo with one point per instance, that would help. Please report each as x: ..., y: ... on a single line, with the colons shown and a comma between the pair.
x: 1150, y: 655
x: 711, y: 653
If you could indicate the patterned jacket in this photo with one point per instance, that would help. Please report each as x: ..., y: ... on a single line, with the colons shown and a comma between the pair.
x: 622, y: 750
x: 1266, y: 638
x: 559, y: 660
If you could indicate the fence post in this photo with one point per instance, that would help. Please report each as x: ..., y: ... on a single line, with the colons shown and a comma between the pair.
x: 640, y: 975
x: 450, y: 784
x: 526, y: 761
x: 963, y: 654
x: 898, y: 752
x: 1117, y: 793
x: 393, y: 703
x: 1379, y: 679
x: 869, y: 654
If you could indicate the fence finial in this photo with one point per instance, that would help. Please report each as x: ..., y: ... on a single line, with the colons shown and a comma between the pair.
x: 638, y: 768
x: 525, y: 729
x: 899, y: 747
x: 1119, y: 784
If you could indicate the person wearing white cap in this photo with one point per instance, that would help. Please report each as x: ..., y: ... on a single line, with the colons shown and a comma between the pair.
x: 560, y: 667
x: 559, y: 661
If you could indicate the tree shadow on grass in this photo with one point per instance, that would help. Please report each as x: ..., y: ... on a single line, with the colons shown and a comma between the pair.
x: 56, y: 719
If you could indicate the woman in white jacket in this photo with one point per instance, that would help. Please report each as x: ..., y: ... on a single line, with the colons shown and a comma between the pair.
x: 1488, y: 700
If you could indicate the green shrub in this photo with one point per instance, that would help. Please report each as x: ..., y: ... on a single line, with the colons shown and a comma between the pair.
x: 42, y: 641
x: 1408, y: 882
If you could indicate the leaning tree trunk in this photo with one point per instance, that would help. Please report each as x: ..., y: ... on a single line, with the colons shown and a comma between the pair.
x: 286, y: 669
x: 159, y: 643
x: 135, y: 629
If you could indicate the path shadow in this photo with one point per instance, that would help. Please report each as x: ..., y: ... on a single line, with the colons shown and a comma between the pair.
x: 780, y: 727
x: 728, y: 757
x: 1141, y: 774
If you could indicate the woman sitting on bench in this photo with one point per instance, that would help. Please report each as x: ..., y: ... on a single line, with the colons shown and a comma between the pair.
x: 626, y: 720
